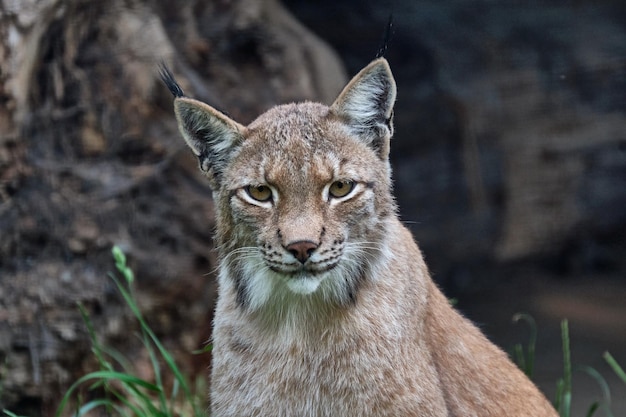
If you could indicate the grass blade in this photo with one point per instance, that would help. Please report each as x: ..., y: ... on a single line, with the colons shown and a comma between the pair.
x: 558, y: 401
x: 157, y: 369
x: 592, y: 410
x: 127, y: 380
x: 615, y: 366
x: 605, y: 403
x: 527, y: 362
x: 92, y: 405
x: 10, y: 414
x: 566, y: 401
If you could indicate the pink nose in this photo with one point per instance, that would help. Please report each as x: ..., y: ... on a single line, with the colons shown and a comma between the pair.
x: 302, y: 249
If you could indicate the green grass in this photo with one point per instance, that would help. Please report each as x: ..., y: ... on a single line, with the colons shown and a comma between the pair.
x: 525, y: 358
x: 115, y: 388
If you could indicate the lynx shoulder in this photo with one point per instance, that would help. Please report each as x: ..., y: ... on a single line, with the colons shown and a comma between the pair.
x: 325, y: 306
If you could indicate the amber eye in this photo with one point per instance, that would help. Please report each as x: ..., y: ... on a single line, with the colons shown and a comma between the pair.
x: 259, y: 192
x: 341, y: 188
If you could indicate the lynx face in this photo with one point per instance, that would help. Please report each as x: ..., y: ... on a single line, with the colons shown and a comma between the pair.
x: 303, y: 191
x: 307, y: 204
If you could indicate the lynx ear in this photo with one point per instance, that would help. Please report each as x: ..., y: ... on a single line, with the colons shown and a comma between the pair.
x: 366, y: 105
x: 211, y: 135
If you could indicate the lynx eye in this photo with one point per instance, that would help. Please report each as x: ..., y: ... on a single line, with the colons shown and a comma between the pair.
x: 259, y: 192
x: 340, y: 188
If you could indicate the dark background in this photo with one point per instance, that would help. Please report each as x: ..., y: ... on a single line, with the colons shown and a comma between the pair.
x: 510, y: 160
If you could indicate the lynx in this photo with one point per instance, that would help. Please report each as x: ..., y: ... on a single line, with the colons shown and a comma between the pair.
x: 325, y: 305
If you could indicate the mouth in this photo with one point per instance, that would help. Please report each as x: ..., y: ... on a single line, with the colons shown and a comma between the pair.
x: 293, y: 271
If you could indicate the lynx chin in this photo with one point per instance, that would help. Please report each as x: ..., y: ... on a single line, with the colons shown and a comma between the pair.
x: 325, y: 306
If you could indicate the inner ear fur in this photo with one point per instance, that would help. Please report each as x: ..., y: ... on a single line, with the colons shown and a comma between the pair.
x: 366, y: 105
x: 211, y: 135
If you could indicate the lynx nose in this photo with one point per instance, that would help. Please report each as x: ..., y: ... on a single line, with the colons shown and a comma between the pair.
x: 302, y: 249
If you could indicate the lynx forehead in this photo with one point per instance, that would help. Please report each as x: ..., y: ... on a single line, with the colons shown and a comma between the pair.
x: 325, y: 306
x: 320, y: 150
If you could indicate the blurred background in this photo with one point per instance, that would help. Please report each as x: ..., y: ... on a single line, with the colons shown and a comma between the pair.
x: 509, y: 165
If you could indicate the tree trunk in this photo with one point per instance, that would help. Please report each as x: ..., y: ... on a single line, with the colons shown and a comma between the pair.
x: 90, y: 157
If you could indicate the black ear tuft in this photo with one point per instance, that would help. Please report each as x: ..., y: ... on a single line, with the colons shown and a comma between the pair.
x: 382, y: 50
x: 170, y: 82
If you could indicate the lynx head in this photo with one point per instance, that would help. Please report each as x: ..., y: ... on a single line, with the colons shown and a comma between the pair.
x: 303, y: 193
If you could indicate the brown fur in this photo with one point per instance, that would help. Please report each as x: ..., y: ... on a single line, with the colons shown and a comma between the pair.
x: 356, y: 327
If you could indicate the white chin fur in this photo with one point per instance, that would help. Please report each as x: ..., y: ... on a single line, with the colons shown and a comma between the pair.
x: 266, y: 288
x: 304, y: 285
